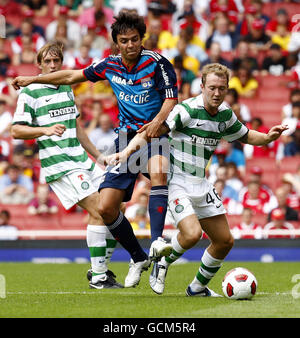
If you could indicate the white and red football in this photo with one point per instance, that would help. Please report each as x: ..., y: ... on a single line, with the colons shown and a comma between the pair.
x: 239, y: 283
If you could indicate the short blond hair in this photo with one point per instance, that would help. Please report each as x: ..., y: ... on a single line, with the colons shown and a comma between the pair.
x: 217, y: 69
x: 54, y: 48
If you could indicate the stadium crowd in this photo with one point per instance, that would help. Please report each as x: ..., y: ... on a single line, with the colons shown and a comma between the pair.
x: 258, y: 40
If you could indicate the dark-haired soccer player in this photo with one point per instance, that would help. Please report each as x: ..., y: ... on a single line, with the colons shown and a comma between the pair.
x: 145, y: 85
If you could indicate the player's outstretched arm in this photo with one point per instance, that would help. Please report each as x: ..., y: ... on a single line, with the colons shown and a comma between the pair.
x: 24, y: 132
x: 61, y: 77
x: 257, y: 138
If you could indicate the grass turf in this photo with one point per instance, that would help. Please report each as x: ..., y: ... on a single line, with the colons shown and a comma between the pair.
x: 61, y: 291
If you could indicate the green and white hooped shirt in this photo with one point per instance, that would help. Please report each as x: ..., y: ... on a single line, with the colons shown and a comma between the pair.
x: 195, y: 134
x: 43, y: 105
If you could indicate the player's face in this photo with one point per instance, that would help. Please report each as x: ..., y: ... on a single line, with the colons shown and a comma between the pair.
x: 50, y: 63
x: 130, y: 45
x: 214, y: 92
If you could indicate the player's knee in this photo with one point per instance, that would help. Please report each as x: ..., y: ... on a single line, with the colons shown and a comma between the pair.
x: 193, y: 236
x: 227, y: 243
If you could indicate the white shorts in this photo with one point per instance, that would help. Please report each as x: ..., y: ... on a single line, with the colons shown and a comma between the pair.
x: 193, y: 195
x: 76, y: 185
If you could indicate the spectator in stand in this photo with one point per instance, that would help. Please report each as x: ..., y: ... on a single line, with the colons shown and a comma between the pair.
x: 215, y: 56
x: 244, y: 83
x: 279, y: 200
x: 278, y: 223
x: 294, y: 44
x: 5, y: 120
x: 287, y: 108
x: 74, y: 7
x: 243, y: 58
x: 253, y: 10
x: 15, y: 188
x: 260, y: 151
x: 189, y: 18
x: 7, y: 232
x: 40, y: 7
x: 232, y: 206
x: 240, y: 109
x: 294, y: 180
x: 5, y: 59
x: 137, y: 6
x: 255, y: 198
x: 292, y: 146
x: 292, y: 122
x: 187, y: 45
x: 185, y: 78
x: 165, y: 38
x: 293, y: 197
x: 82, y: 60
x: 152, y: 43
x: 42, y: 203
x: 101, y: 133
x: 7, y: 92
x: 137, y: 213
x: 247, y: 224
x: 222, y: 34
x: 275, y: 62
x: 61, y: 35
x: 29, y: 16
x: 282, y: 37
x: 27, y: 54
x: 228, y: 7
x: 26, y: 29
x: 233, y: 178
x: 282, y: 18
x: 257, y: 38
x: 256, y: 175
x: 73, y: 28
x: 189, y: 61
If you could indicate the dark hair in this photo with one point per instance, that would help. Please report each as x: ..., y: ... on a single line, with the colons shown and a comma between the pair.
x: 126, y: 21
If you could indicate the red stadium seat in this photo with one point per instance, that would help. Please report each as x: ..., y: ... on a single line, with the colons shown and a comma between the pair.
x: 26, y: 69
x: 271, y: 8
x: 75, y: 221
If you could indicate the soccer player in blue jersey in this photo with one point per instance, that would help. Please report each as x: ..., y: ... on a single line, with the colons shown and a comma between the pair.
x: 145, y: 85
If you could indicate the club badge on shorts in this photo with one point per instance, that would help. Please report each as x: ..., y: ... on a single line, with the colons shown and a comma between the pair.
x: 85, y: 185
x: 178, y: 207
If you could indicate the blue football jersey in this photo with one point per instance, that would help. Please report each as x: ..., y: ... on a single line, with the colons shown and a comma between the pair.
x: 140, y: 90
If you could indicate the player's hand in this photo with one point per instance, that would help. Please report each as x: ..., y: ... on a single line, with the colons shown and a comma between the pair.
x: 22, y: 81
x: 275, y: 132
x: 57, y: 129
x: 152, y: 129
x: 116, y: 158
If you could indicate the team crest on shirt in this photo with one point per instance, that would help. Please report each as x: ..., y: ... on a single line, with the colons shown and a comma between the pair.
x: 146, y: 82
x: 70, y: 96
x: 85, y: 185
x: 222, y: 126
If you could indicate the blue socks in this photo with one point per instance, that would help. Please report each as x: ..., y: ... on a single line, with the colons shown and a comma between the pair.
x: 122, y: 231
x: 158, y: 204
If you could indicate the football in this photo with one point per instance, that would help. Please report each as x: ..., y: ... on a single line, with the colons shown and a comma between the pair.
x: 239, y: 283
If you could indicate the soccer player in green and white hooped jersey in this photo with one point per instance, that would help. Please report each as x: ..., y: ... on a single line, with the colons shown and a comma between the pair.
x: 48, y: 113
x: 195, y: 128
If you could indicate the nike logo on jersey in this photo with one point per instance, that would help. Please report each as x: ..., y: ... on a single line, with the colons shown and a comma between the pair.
x: 47, y: 100
x: 199, y: 124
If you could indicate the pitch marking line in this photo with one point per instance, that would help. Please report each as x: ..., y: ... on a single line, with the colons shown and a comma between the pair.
x: 120, y: 293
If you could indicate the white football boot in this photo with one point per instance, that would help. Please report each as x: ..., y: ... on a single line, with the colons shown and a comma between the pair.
x: 157, y: 278
x: 159, y: 248
x: 135, y: 270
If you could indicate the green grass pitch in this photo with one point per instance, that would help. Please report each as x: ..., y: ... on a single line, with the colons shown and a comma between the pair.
x: 61, y: 291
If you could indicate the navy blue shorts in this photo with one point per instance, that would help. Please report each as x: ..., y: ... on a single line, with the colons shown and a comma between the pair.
x: 123, y: 176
